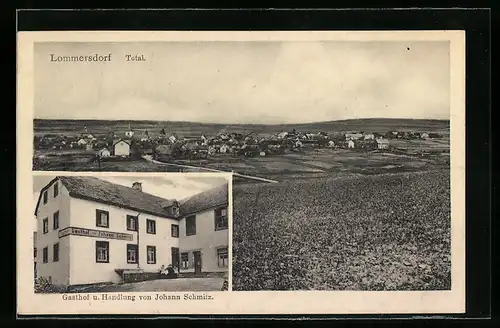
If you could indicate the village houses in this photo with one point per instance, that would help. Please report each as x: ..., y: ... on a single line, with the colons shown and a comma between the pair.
x: 353, y: 136
x: 129, y: 133
x: 369, y: 136
x: 382, y: 143
x: 282, y: 135
x: 92, y: 231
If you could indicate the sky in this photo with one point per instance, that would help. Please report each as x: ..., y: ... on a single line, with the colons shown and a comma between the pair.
x: 245, y: 82
x: 173, y: 187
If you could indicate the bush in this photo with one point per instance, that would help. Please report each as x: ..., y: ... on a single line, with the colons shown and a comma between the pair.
x: 42, y: 285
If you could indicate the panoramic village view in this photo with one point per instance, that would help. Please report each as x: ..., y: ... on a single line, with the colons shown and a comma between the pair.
x: 157, y: 148
x: 340, y: 151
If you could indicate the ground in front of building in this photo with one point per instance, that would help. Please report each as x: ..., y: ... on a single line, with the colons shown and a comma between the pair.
x: 161, y: 285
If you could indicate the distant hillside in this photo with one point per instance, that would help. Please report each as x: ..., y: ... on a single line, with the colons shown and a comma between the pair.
x: 367, y: 125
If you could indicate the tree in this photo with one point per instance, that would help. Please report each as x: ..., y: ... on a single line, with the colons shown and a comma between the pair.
x: 163, y: 131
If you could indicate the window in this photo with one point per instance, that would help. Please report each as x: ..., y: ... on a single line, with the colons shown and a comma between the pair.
x: 184, y: 260
x: 55, y: 255
x: 151, y: 254
x: 221, y: 219
x: 131, y: 223
x: 56, y: 220
x: 151, y: 226
x: 131, y: 253
x: 191, y: 225
x: 56, y: 190
x: 45, y: 197
x: 102, y: 252
x: 34, y: 252
x: 102, y: 218
x: 222, y: 257
x: 45, y: 254
x: 174, y: 228
x: 45, y: 225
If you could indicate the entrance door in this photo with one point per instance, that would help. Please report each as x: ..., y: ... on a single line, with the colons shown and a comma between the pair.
x: 176, y: 259
x: 197, y: 262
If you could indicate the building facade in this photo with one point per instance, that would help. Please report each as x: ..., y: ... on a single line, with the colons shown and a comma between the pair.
x: 90, y: 231
x: 104, y: 152
x: 382, y: 143
x: 121, y: 148
x: 203, y: 242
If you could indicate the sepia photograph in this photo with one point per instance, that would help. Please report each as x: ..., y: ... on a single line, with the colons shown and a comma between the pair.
x: 125, y: 234
x: 340, y: 150
x: 327, y: 164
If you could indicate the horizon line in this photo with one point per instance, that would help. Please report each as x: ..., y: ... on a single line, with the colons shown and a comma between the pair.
x: 235, y: 123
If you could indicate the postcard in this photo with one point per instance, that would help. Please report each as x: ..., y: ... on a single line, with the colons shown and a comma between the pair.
x: 262, y: 172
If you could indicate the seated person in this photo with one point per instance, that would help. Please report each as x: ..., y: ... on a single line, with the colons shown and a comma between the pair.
x: 171, y: 272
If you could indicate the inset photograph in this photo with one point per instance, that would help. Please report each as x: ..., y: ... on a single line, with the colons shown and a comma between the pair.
x: 141, y: 233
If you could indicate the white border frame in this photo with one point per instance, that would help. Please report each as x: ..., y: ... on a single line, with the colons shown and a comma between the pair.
x: 278, y: 302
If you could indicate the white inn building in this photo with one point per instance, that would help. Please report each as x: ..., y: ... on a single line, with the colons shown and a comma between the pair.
x: 90, y: 231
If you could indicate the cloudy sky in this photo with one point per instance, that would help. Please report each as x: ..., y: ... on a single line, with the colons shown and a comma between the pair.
x: 245, y: 82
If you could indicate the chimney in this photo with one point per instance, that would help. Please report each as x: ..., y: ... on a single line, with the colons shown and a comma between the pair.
x: 137, y: 185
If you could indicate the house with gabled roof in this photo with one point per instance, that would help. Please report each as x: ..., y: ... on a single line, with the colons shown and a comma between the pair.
x: 92, y: 231
x: 104, y: 152
x: 121, y: 147
x: 172, y: 138
x: 81, y: 142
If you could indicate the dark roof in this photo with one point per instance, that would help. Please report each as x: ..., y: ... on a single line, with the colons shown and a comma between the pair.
x: 205, y: 200
x: 118, y: 140
x: 101, y: 191
x: 165, y: 149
